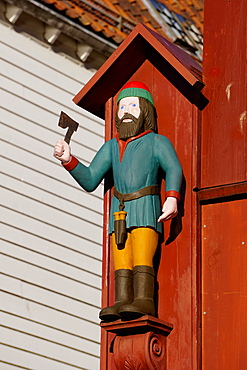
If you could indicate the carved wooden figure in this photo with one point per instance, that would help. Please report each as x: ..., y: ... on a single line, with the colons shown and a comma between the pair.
x: 137, y: 156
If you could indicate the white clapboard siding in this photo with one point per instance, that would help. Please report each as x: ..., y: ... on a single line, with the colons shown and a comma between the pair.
x: 46, y: 232
x: 52, y: 200
x: 23, y: 125
x: 59, y: 187
x: 47, y: 333
x: 49, y: 264
x: 47, y: 214
x: 51, y: 229
x: 49, y: 317
x: 49, y: 281
x: 44, y: 348
x: 24, y: 108
x: 84, y: 256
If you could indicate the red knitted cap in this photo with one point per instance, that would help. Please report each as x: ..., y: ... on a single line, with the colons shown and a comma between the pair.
x: 135, y: 88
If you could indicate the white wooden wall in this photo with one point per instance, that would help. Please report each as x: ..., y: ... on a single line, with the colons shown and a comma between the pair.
x: 51, y: 230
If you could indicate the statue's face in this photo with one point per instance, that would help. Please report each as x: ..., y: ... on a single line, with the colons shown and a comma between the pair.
x: 129, y: 105
x: 130, y: 117
x: 134, y: 116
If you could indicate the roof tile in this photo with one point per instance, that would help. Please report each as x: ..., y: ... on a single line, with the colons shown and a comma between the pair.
x: 84, y: 20
x: 72, y: 13
x: 115, y: 19
x: 192, y: 9
x: 61, y: 5
x: 49, y: 1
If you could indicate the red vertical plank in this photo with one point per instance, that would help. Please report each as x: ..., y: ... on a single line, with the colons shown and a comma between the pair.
x: 176, y: 273
x: 106, y: 358
x: 224, y: 75
x: 224, y: 261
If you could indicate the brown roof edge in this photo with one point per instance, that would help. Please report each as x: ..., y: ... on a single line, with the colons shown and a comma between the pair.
x: 179, y: 68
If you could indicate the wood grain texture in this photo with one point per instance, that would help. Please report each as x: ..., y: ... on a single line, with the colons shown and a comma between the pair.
x: 224, y: 119
x: 224, y: 285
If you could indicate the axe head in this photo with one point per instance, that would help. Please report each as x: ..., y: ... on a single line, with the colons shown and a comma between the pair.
x: 66, y: 121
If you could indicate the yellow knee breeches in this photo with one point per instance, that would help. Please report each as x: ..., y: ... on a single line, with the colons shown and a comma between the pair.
x: 139, y: 249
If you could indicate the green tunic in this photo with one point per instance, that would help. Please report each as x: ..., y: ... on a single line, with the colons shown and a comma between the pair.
x: 144, y: 162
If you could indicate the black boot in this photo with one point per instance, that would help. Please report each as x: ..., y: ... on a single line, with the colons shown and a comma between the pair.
x: 143, y: 277
x: 123, y: 295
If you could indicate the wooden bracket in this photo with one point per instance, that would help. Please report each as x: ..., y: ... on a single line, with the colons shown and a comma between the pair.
x: 139, y: 344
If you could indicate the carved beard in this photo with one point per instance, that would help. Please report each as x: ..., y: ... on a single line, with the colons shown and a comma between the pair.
x: 130, y: 129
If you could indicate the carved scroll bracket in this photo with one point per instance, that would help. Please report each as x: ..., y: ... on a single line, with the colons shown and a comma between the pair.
x: 139, y: 344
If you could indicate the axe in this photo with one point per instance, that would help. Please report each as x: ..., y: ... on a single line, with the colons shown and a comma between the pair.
x: 66, y: 122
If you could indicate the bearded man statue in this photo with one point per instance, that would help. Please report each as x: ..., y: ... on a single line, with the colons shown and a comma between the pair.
x: 137, y: 157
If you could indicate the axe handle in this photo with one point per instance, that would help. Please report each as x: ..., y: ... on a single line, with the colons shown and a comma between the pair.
x: 68, y: 135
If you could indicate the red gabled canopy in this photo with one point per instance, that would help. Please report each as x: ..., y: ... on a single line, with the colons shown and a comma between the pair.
x: 142, y: 44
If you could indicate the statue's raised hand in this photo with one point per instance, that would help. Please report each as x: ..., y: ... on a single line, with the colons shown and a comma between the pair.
x: 62, y: 151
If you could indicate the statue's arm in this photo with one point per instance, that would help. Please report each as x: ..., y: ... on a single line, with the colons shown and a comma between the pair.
x: 87, y: 177
x: 170, y: 164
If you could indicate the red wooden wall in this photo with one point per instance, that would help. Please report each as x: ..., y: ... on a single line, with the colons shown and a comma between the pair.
x: 223, y: 177
x: 177, y: 272
x: 224, y: 74
x: 224, y: 285
x: 201, y: 274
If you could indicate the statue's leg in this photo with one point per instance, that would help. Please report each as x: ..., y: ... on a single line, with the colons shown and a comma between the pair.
x: 123, y: 264
x: 144, y: 245
x: 122, y: 257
